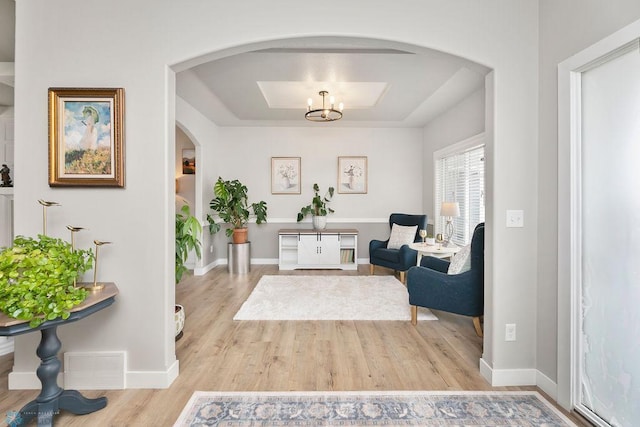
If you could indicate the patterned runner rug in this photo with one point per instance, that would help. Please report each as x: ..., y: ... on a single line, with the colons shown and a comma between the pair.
x: 412, y: 408
x: 329, y: 298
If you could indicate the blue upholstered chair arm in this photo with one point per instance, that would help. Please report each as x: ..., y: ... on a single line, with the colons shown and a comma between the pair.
x: 377, y: 244
x: 435, y: 264
x: 408, y: 257
x: 456, y: 293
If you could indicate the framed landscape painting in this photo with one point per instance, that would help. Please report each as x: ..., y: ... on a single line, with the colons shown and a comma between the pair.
x: 86, y: 146
x: 352, y: 175
x: 285, y: 175
x: 188, y: 161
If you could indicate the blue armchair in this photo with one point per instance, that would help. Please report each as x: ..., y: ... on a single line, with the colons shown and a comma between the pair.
x: 430, y: 286
x: 397, y: 259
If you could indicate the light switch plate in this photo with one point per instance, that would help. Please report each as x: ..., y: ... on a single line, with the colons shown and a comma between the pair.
x: 515, y: 218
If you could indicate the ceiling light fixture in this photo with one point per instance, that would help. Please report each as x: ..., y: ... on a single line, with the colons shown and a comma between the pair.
x: 326, y: 113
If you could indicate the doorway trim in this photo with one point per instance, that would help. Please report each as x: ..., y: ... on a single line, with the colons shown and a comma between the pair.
x: 569, y: 198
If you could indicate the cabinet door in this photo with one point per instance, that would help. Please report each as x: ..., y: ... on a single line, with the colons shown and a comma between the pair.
x: 318, y: 249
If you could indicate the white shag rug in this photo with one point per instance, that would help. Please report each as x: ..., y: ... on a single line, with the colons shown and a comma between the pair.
x: 329, y: 298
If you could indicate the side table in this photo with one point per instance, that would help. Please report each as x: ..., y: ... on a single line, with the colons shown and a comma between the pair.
x: 437, y: 251
x: 53, y: 398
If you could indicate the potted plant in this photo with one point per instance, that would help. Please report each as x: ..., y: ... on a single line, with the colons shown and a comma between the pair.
x: 37, y: 278
x: 318, y: 208
x: 232, y: 206
x: 188, y: 229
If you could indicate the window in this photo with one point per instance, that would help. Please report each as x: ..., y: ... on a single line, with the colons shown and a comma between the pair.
x: 459, y: 177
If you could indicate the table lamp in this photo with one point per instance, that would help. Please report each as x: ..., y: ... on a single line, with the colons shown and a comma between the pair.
x: 449, y: 210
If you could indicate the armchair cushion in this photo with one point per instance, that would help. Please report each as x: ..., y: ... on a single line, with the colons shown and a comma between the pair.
x: 391, y: 255
x: 461, y: 261
x: 401, y: 235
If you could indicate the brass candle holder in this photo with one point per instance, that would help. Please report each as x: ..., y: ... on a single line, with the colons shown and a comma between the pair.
x: 74, y: 230
x: 95, y: 286
x: 45, y: 204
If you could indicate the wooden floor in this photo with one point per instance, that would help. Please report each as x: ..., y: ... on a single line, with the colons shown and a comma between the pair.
x: 217, y: 353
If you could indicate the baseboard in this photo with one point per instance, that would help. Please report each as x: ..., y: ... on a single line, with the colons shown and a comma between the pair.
x: 28, y: 381
x: 485, y: 370
x: 153, y: 379
x: 507, y: 377
x: 547, y: 385
x: 518, y: 377
x: 264, y: 261
x: 6, y: 346
x: 201, y: 271
x: 133, y: 380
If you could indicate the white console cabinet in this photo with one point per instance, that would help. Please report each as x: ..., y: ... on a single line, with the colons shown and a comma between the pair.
x: 307, y: 249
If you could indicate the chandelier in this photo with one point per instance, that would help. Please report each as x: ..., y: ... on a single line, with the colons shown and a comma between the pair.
x: 326, y: 113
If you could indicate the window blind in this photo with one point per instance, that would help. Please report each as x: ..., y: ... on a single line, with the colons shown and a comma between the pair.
x: 459, y: 177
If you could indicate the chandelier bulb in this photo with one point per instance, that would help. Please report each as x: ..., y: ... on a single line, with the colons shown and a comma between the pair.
x: 341, y: 106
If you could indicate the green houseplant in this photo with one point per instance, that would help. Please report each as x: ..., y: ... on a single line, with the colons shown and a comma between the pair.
x: 318, y: 208
x: 188, y: 230
x: 232, y: 206
x: 37, y: 278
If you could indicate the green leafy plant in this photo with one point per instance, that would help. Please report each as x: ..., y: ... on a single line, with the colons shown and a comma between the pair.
x: 188, y: 229
x: 318, y: 206
x: 37, y: 278
x: 232, y: 206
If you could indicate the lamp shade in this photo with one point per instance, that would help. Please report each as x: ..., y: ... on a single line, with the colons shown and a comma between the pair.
x: 451, y: 209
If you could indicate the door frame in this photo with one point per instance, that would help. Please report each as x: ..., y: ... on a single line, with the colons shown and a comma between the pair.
x: 569, y: 202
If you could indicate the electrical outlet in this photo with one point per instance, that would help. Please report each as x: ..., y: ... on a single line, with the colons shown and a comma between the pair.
x: 211, y: 248
x: 510, y: 332
x: 515, y: 218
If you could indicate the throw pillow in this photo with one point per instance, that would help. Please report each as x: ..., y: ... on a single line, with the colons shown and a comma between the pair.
x: 401, y: 235
x: 461, y: 261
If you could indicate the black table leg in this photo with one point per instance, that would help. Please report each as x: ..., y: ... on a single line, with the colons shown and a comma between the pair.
x: 52, y: 398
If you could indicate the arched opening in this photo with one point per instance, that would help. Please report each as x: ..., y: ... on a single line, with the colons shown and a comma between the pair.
x: 230, y: 130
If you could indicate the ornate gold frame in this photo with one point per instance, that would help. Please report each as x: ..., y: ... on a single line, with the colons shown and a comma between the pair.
x: 58, y: 97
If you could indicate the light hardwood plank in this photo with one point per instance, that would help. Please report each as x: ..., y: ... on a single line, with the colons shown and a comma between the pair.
x: 217, y: 353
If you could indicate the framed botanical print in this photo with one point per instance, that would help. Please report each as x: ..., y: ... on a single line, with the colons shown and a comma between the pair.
x: 86, y: 146
x: 285, y: 175
x: 352, y: 175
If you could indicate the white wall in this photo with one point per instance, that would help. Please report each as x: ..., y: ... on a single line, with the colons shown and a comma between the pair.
x: 139, y: 219
x: 186, y: 183
x: 393, y: 155
x: 204, y: 135
x: 394, y: 184
x: 566, y: 28
x: 462, y: 121
x: 6, y: 157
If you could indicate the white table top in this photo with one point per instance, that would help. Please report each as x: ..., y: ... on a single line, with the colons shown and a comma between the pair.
x: 426, y: 249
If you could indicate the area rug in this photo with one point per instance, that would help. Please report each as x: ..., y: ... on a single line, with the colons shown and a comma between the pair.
x: 413, y: 408
x: 329, y: 298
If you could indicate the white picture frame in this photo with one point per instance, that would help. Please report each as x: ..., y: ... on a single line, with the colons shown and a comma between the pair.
x: 285, y: 175
x: 352, y: 174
